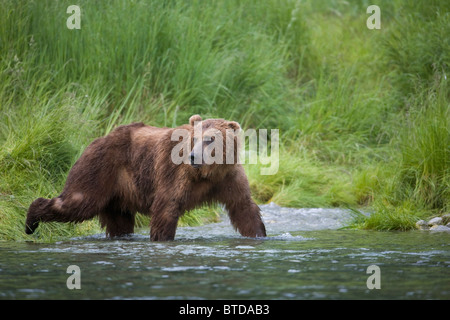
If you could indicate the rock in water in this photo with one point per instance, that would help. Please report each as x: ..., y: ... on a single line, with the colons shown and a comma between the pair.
x: 435, y: 221
x: 440, y: 228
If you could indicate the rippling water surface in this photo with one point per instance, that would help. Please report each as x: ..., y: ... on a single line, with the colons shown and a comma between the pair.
x: 305, y: 256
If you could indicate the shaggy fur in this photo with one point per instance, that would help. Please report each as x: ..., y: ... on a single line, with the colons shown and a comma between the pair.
x: 130, y: 170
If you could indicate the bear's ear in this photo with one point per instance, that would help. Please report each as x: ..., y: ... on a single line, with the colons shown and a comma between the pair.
x: 194, y: 118
x: 234, y: 125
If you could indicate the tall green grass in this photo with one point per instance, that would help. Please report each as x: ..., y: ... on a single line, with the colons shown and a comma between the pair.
x: 363, y: 114
x: 419, y: 184
x: 418, y: 174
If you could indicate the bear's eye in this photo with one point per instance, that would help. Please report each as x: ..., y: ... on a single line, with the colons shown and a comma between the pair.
x: 208, y: 140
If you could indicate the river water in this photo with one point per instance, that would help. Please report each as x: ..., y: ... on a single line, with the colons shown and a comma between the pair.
x: 305, y: 256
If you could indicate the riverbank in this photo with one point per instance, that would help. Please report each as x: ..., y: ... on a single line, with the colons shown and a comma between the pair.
x: 363, y: 114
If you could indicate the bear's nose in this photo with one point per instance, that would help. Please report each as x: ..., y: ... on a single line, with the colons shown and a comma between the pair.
x: 195, y: 160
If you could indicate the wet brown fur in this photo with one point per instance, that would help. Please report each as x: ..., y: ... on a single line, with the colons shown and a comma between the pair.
x: 130, y: 170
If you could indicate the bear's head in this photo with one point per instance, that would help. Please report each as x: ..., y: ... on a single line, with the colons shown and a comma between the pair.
x: 214, y: 142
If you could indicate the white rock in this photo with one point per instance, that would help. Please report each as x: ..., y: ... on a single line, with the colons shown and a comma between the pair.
x: 435, y: 221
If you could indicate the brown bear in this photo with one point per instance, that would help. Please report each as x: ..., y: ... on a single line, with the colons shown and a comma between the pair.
x: 135, y: 169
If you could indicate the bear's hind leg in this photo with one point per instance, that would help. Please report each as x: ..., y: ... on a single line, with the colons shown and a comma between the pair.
x: 76, y: 209
x: 38, y: 209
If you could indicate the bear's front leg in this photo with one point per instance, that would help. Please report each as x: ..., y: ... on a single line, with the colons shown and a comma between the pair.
x: 244, y: 213
x: 163, y: 225
x: 245, y: 216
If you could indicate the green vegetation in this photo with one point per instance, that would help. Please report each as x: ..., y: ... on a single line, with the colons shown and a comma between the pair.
x: 363, y: 114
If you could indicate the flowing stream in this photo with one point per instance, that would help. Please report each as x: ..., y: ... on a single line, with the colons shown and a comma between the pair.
x: 305, y: 256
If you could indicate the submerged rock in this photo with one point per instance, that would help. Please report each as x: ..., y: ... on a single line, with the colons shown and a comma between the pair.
x: 440, y: 228
x: 422, y: 225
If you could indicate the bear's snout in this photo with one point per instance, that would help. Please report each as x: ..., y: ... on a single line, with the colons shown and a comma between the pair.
x: 196, y: 162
